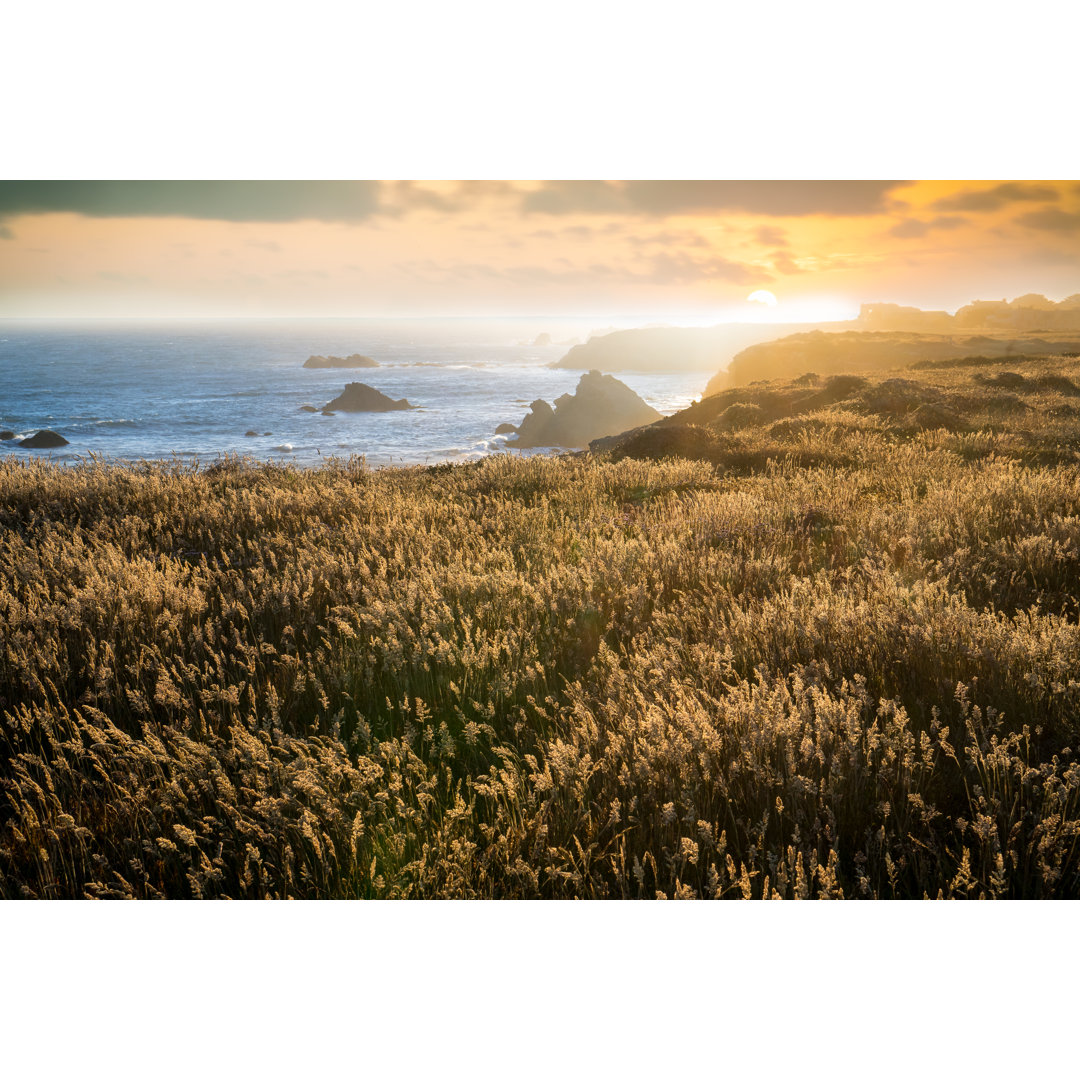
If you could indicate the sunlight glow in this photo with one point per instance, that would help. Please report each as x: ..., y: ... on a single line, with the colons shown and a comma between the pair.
x: 763, y: 296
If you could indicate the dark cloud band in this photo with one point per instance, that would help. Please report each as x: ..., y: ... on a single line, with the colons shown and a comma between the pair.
x: 996, y: 197
x: 209, y: 200
x: 353, y: 201
x: 1051, y: 220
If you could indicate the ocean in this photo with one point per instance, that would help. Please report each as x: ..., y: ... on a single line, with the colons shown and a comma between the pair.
x: 139, y: 389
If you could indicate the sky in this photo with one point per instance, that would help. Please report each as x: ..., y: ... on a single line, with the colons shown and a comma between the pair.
x: 688, y: 252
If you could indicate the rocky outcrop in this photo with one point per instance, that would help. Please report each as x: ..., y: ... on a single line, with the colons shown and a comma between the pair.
x: 354, y: 361
x: 505, y: 429
x: 43, y: 440
x: 359, y: 397
x: 7, y: 435
x: 899, y: 317
x: 601, y: 405
x: 1029, y: 312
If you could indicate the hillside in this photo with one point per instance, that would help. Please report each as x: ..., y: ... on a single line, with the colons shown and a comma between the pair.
x: 1024, y: 407
x: 825, y: 353
x: 815, y: 638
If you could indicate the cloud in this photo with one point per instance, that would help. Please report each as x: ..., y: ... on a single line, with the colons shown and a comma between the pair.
x: 664, y: 198
x: 404, y: 195
x: 1051, y: 220
x: 353, y: 201
x: 783, y: 263
x: 666, y: 238
x: 208, y: 200
x: 574, y: 197
x: 771, y: 236
x: 996, y: 197
x: 661, y: 269
x: 400, y: 197
x: 678, y: 268
x: 1055, y: 257
x: 913, y: 227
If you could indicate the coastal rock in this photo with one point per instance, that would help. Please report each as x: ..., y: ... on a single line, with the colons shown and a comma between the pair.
x: 505, y: 429
x: 356, y: 360
x: 601, y: 405
x: 359, y: 397
x: 6, y: 435
x: 43, y: 440
x: 308, y: 408
x: 250, y: 434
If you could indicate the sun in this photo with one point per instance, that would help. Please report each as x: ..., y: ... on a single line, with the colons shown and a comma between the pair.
x: 763, y: 296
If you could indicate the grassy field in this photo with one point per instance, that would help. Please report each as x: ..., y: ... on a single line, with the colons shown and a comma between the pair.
x: 809, y: 639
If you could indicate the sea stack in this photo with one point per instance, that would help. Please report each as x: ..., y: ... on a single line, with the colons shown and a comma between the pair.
x: 359, y: 397
x: 601, y: 405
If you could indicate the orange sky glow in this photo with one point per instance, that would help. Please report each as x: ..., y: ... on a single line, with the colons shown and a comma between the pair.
x: 682, y: 251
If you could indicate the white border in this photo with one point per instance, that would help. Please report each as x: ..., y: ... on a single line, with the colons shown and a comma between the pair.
x: 486, y: 90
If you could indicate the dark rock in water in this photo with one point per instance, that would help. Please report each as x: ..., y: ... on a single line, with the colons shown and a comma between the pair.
x: 6, y: 435
x: 601, y: 405
x: 268, y: 433
x: 43, y: 440
x: 327, y: 412
x: 359, y: 397
x: 354, y: 361
x: 505, y: 429
x: 308, y: 408
x: 250, y: 434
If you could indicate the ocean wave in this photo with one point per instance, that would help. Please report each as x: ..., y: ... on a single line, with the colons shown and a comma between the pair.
x: 484, y: 448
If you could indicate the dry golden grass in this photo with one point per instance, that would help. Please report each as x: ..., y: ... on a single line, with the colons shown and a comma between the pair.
x: 837, y: 656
